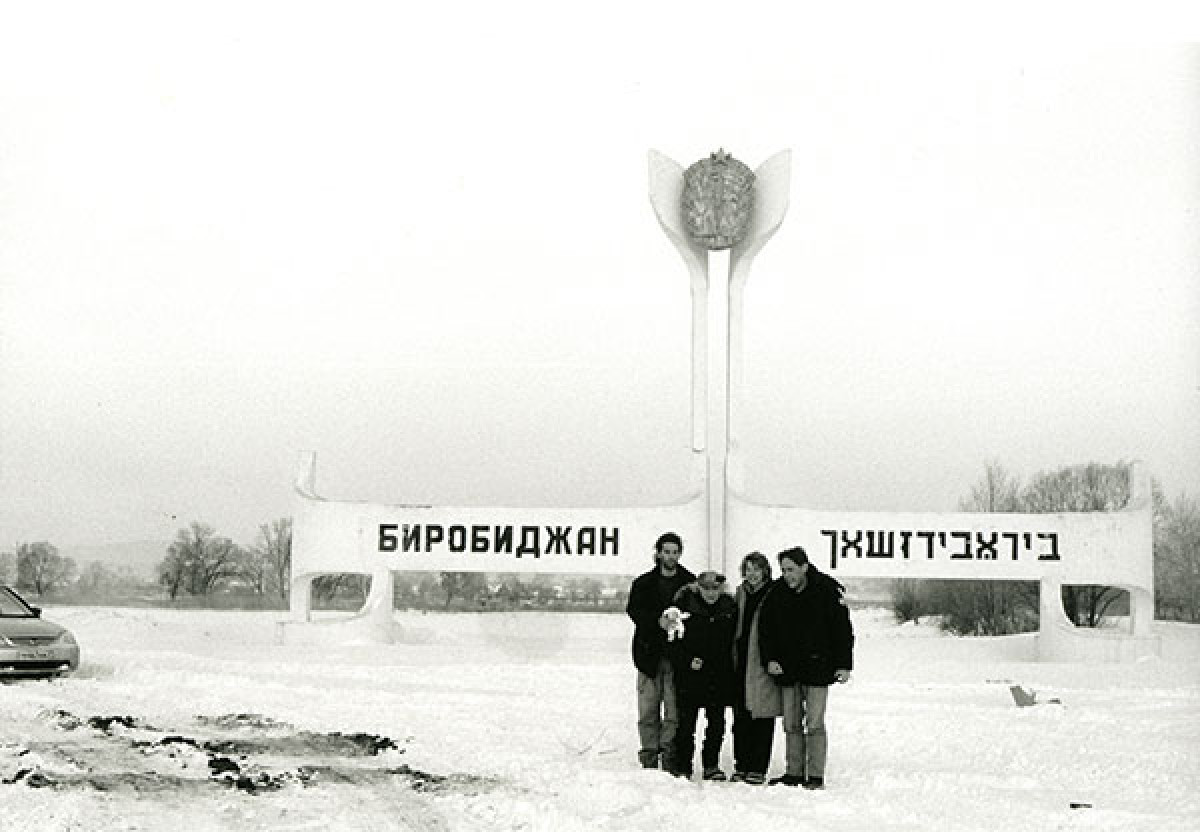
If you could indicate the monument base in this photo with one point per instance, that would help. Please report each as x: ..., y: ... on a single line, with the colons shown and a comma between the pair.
x: 1077, y: 644
x: 337, y: 631
x: 1059, y: 640
x: 370, y: 624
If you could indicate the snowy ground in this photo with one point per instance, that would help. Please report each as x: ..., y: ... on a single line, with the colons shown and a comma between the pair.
x: 526, y: 721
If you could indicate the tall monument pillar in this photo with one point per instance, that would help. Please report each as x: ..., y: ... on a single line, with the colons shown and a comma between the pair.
x: 718, y: 214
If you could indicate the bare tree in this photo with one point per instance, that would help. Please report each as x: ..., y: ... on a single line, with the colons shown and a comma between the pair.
x: 172, y: 571
x: 273, y: 557
x: 1177, y: 559
x: 198, y: 561
x: 997, y: 491
x: 41, y: 568
x: 254, y: 571
x: 1091, y: 487
x: 984, y: 608
x: 97, y: 577
x: 8, y: 567
x: 223, y: 559
x: 909, y: 598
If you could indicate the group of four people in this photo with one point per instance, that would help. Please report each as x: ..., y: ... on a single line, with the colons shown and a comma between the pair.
x: 772, y: 649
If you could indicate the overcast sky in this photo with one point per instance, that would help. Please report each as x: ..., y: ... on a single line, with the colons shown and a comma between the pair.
x: 423, y: 248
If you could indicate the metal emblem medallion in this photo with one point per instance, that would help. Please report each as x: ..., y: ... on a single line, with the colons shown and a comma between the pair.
x: 718, y: 201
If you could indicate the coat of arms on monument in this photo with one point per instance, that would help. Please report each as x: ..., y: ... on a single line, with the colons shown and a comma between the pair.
x: 718, y: 201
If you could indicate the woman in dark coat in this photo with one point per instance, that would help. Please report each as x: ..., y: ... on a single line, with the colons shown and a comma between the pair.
x: 704, y: 672
x: 758, y: 699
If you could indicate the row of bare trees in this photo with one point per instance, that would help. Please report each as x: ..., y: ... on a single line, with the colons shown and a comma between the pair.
x: 512, y: 590
x: 200, y: 562
x: 1000, y: 607
x: 473, y: 590
x: 39, y: 568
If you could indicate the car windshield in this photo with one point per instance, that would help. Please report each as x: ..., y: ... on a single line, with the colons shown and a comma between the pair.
x: 11, y: 606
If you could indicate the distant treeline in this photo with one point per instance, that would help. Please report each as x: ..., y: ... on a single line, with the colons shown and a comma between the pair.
x: 203, y: 569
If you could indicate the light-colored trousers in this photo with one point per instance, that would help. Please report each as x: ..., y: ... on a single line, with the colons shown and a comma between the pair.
x: 804, y: 729
x: 658, y: 716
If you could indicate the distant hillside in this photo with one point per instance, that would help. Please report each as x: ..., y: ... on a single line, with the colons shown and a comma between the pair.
x: 142, y: 556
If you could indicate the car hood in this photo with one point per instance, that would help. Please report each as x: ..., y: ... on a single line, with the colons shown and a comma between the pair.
x: 28, y: 627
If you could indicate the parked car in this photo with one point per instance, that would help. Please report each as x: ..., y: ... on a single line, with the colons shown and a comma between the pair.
x: 31, y: 645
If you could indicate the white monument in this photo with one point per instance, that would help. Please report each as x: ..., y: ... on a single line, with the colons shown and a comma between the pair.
x: 719, y: 215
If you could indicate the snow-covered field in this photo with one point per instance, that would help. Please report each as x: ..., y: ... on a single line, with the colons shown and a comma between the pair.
x: 526, y: 721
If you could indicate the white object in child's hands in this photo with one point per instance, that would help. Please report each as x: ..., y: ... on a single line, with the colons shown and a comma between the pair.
x: 675, y: 618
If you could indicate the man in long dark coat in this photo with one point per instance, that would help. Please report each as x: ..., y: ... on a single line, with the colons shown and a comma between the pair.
x: 650, y: 594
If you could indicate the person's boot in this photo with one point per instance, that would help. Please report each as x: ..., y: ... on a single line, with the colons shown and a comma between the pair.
x: 814, y: 783
x: 714, y: 773
x: 787, y: 780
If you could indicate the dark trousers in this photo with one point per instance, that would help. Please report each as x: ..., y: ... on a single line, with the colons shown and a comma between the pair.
x: 752, y: 738
x: 685, y: 735
x: 656, y: 714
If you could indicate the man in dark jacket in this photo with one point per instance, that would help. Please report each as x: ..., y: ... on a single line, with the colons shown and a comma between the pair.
x: 807, y: 643
x: 650, y: 594
x: 702, y: 662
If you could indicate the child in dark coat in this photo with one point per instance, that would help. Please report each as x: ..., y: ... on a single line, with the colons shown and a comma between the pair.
x: 704, y: 673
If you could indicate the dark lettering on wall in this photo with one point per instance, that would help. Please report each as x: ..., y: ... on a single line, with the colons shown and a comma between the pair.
x: 879, y: 549
x: 936, y: 544
x: 412, y: 538
x: 388, y: 542
x: 558, y: 540
x: 1052, y: 552
x: 517, y: 541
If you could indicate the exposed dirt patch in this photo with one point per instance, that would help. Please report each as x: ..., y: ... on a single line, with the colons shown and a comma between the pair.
x: 251, y: 753
x: 306, y: 742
